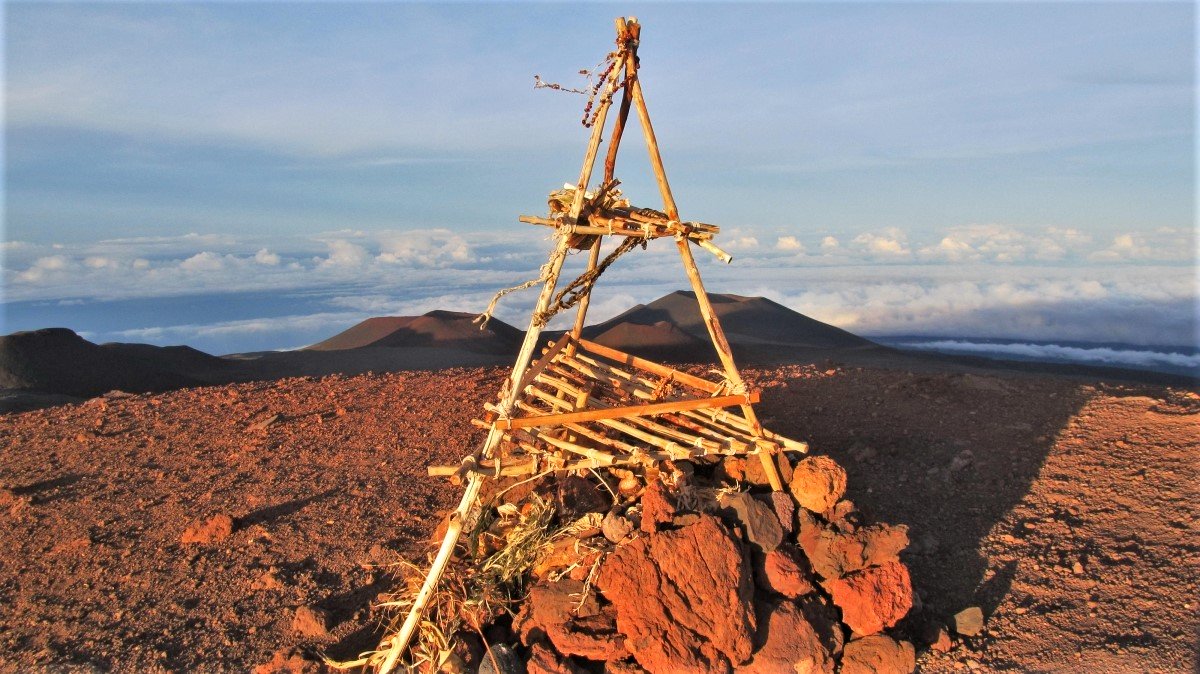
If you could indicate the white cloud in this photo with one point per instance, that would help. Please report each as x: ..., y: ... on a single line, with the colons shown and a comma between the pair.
x: 203, y: 261
x: 1095, y: 355
x: 344, y: 254
x: 789, y: 244
x: 829, y: 244
x: 424, y: 248
x: 891, y: 242
x: 266, y: 257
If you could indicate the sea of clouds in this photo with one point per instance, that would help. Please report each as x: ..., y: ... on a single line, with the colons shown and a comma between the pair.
x: 979, y: 281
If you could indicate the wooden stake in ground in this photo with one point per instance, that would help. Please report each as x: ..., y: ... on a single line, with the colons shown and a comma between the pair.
x: 470, y: 496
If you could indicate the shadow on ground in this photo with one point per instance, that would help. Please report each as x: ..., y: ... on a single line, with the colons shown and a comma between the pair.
x: 949, y: 455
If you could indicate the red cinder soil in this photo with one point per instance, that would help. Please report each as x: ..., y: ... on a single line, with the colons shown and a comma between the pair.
x: 1067, y: 511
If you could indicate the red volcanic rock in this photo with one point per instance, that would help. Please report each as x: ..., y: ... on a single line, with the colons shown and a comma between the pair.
x: 311, y: 622
x: 872, y: 599
x: 657, y: 508
x: 543, y: 660
x: 553, y: 611
x: 757, y: 520
x: 818, y: 482
x: 878, y: 654
x: 213, y: 530
x: 683, y: 598
x: 834, y: 554
x: 782, y: 571
x: 789, y: 643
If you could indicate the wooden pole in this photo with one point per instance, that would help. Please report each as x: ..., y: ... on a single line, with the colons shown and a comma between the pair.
x: 610, y: 164
x: 468, y: 503
x: 689, y: 263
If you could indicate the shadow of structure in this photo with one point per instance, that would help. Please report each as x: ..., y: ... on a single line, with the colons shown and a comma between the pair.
x: 45, y: 491
x: 947, y: 454
x: 268, y: 514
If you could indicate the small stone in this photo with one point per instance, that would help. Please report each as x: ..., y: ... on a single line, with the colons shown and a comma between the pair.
x: 785, y: 511
x: 818, y: 482
x: 311, y: 622
x: 578, y: 496
x: 961, y: 460
x: 213, y: 530
x: 732, y: 469
x: 969, y: 621
x: 657, y: 507
x: 500, y: 659
x: 615, y: 527
x: 878, y: 654
x: 1077, y: 568
x: 941, y: 641
x: 789, y: 643
x: 286, y: 662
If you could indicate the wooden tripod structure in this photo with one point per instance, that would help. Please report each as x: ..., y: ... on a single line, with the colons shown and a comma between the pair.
x: 582, y: 405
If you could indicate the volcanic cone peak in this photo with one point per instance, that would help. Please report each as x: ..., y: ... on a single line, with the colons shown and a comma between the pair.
x: 747, y: 321
x: 436, y: 328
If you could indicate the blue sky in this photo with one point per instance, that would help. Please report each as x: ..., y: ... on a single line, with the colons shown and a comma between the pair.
x: 254, y: 175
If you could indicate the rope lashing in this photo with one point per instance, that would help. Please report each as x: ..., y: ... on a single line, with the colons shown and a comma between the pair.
x: 579, y: 288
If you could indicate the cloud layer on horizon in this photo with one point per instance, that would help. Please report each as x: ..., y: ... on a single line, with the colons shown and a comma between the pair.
x: 989, y: 281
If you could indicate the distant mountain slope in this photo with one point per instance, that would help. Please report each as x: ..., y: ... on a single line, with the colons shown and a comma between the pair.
x: 748, y: 322
x: 442, y: 329
x: 56, y: 360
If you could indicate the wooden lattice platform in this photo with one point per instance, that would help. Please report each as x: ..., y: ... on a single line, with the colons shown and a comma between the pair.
x: 584, y: 405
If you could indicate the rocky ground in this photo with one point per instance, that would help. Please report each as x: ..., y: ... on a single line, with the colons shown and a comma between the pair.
x: 228, y: 527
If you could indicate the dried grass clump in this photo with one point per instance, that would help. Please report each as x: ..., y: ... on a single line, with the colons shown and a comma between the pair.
x: 503, y: 547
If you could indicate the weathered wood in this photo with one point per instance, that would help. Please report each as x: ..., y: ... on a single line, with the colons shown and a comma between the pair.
x: 715, y: 250
x: 648, y: 409
x: 547, y: 357
x: 650, y: 431
x: 602, y: 226
x: 689, y: 263
x: 650, y: 366
x: 468, y: 504
x: 586, y: 300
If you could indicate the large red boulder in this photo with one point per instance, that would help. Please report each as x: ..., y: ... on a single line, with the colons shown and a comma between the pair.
x: 683, y: 598
x: 872, y: 599
x: 834, y: 554
x: 788, y: 643
x: 818, y: 482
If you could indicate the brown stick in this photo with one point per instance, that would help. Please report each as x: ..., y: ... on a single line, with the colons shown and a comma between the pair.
x: 600, y: 225
x: 547, y: 357
x: 581, y: 312
x: 650, y: 366
x: 630, y: 411
x: 689, y: 264
x: 629, y: 425
x: 722, y: 421
x: 467, y: 505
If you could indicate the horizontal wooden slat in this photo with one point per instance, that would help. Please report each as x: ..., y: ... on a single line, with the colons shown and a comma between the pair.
x: 631, y: 411
x: 650, y: 366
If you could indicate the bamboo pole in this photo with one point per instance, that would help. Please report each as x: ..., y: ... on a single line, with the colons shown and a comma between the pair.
x: 467, y: 504
x: 689, y: 263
